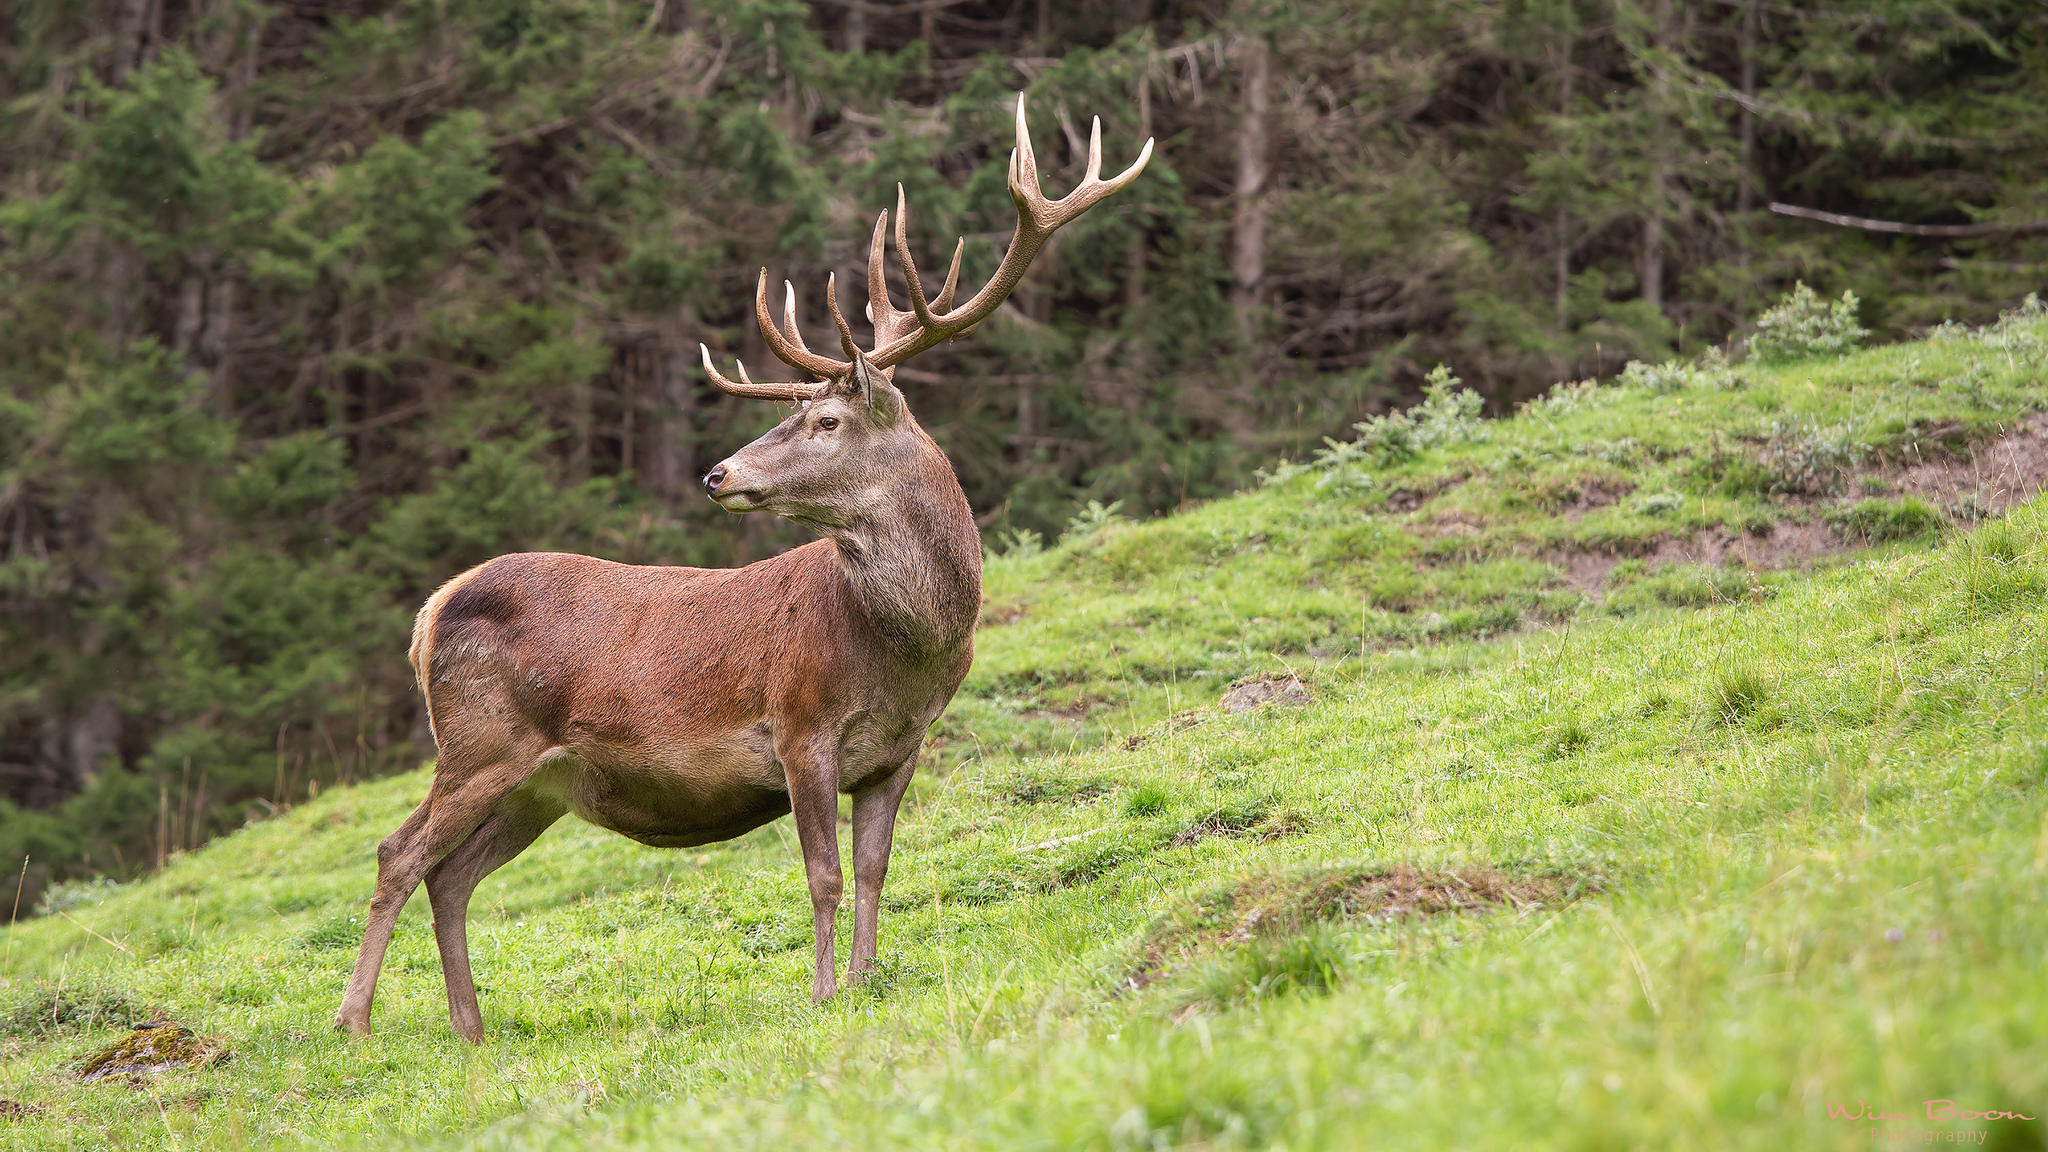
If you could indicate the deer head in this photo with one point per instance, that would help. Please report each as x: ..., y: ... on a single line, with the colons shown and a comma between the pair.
x: 852, y: 439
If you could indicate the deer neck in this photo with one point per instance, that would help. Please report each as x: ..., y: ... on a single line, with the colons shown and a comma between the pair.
x: 912, y: 557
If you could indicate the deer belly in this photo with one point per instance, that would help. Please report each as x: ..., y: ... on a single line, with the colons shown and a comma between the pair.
x: 680, y: 795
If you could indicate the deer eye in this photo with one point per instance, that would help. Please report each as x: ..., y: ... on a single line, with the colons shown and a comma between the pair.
x: 828, y: 423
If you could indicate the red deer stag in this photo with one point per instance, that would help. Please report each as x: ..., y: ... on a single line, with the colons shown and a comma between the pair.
x: 681, y: 706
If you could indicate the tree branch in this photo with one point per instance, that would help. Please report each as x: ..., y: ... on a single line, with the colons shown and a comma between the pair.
x: 1893, y: 226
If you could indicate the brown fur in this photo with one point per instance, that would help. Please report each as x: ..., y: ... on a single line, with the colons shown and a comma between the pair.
x: 682, y: 706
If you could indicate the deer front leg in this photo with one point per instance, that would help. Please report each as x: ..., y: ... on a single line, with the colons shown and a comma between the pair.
x: 814, y: 802
x: 874, y: 831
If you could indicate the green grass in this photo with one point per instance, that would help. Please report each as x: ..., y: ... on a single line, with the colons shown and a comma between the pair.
x: 1097, y: 639
x: 1773, y: 846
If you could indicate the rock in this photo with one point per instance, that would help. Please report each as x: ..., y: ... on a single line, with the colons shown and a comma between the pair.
x: 152, y: 1047
x: 1283, y: 690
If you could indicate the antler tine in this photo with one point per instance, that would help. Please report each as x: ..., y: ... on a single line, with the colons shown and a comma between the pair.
x: 1094, y: 171
x: 945, y: 299
x: 918, y: 306
x: 890, y: 322
x: 789, y: 324
x: 878, y: 281
x: 926, y: 313
x: 789, y: 392
x: 839, y: 318
x: 791, y: 353
x: 1024, y: 164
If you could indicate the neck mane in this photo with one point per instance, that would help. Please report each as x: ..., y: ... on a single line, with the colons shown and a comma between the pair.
x: 913, y: 559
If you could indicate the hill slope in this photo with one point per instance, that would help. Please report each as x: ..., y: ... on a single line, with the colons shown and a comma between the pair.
x: 1572, y: 847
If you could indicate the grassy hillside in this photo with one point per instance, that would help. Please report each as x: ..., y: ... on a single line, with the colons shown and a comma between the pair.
x: 1578, y: 844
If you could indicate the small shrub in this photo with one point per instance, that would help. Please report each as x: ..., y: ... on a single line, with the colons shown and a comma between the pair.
x: 1019, y: 543
x: 1802, y: 326
x: 1092, y: 520
x: 1804, y: 458
x: 1659, y: 503
x: 1709, y: 371
x: 65, y: 895
x: 1447, y: 415
x: 1880, y: 520
x: 1566, y: 398
x: 1670, y: 376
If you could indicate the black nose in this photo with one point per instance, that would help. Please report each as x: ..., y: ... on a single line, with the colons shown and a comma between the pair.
x: 714, y: 478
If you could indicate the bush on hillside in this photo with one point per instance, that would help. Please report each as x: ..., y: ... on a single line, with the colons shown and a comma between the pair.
x: 1448, y: 414
x: 1802, y: 326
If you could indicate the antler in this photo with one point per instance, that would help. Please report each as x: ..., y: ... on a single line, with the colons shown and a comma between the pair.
x: 1037, y: 219
x: 790, y: 350
x: 899, y: 335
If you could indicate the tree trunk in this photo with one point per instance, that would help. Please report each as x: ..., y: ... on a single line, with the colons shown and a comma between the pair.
x: 1652, y: 263
x: 856, y: 27
x: 1135, y: 255
x: 1744, y: 190
x: 130, y: 28
x: 673, y: 454
x: 1248, y: 223
x: 1564, y: 239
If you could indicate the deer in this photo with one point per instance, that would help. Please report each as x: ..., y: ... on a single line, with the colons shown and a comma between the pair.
x: 686, y: 706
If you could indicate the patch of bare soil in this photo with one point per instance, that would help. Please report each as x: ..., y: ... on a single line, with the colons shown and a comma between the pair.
x: 1415, y: 493
x: 1181, y: 722
x: 999, y: 615
x: 2007, y: 471
x: 1587, y: 497
x: 1261, y: 906
x: 1222, y: 822
x: 2010, y: 470
x: 1286, y: 691
x: 152, y: 1047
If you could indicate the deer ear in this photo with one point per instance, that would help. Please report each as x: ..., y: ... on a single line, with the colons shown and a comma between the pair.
x: 870, y: 385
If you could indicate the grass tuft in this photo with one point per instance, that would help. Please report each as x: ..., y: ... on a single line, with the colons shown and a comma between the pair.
x: 51, y: 1010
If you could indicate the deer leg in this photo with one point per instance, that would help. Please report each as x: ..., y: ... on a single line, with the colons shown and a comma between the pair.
x: 814, y: 801
x: 392, y: 856
x: 874, y: 830
x: 517, y: 823
x: 447, y: 816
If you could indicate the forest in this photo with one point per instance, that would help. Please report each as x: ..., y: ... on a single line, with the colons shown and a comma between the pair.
x: 306, y: 307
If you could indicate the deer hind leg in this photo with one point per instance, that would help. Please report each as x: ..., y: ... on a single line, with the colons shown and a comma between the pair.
x: 392, y: 858
x: 444, y: 819
x: 518, y: 822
